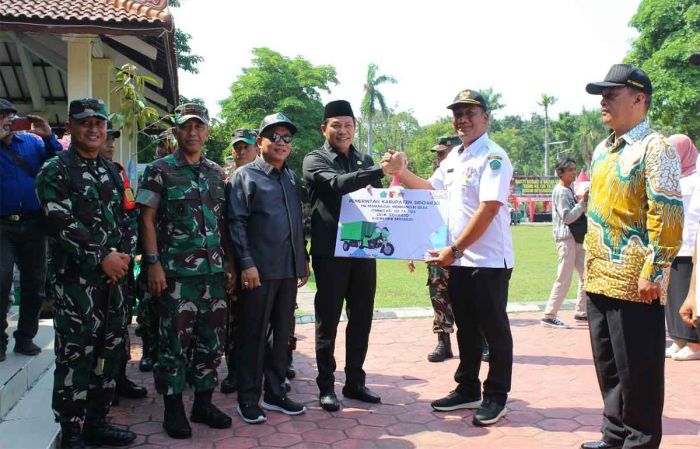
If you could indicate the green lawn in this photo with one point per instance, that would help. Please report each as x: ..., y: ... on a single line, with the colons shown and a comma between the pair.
x: 535, y: 269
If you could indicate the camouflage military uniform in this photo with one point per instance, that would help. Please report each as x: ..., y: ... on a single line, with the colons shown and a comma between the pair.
x: 189, y: 200
x: 83, y: 203
x: 437, y: 286
x: 147, y: 319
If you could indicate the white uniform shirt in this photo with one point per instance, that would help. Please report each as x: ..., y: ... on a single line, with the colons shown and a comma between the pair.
x: 481, y: 172
x: 690, y: 189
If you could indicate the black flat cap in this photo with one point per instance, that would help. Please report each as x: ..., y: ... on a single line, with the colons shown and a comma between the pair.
x: 5, y: 105
x: 621, y: 75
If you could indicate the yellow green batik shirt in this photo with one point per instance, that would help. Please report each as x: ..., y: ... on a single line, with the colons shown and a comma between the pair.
x: 635, y: 213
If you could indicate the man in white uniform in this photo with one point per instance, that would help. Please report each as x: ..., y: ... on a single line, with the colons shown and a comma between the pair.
x: 477, y: 174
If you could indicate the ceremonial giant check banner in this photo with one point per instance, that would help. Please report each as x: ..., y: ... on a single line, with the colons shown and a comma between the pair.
x: 392, y: 224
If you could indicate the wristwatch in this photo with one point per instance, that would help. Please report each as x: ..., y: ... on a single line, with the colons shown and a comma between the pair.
x: 456, y: 252
x: 150, y: 259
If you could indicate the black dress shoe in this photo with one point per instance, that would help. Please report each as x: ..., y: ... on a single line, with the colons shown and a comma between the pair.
x: 600, y: 445
x: 99, y: 433
x: 71, y: 436
x: 146, y: 364
x: 361, y: 393
x: 26, y: 347
x: 128, y: 389
x: 329, y: 402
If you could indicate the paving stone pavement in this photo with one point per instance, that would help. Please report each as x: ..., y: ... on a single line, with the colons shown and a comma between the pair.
x: 554, y: 403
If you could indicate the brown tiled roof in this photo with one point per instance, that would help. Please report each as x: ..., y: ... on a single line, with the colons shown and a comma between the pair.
x: 108, y: 13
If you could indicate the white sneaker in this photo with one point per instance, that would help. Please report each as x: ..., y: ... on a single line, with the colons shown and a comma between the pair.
x: 686, y: 353
x: 554, y: 322
x: 671, y: 350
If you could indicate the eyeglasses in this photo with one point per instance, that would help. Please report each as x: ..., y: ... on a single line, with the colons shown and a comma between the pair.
x: 278, y: 138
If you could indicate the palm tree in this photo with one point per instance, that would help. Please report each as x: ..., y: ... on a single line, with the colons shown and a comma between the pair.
x: 372, y: 97
x: 493, y: 99
x: 546, y: 102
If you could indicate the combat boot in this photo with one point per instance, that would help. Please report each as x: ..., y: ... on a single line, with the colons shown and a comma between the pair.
x: 174, y: 419
x: 146, y: 363
x: 71, y: 437
x: 443, y: 350
x: 203, y: 411
x: 96, y: 432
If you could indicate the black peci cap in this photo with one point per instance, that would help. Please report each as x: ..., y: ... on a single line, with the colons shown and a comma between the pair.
x: 337, y: 108
x: 695, y: 59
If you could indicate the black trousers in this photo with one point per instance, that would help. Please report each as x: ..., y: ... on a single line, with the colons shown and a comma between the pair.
x: 678, y: 286
x: 268, y: 306
x: 22, y: 243
x: 355, y: 281
x: 628, y: 341
x: 479, y: 297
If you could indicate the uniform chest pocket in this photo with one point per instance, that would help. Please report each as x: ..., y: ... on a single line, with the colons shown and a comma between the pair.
x: 182, y: 204
x: 87, y: 209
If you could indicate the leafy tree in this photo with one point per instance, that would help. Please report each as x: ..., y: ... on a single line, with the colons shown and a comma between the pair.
x: 421, y: 159
x: 186, y: 60
x: 493, y: 100
x: 276, y: 83
x: 372, y: 97
x: 669, y: 32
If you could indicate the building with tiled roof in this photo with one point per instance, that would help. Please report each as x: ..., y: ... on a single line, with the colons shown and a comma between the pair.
x: 53, y: 51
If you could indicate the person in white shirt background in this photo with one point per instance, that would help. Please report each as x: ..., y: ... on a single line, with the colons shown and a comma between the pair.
x: 686, y: 340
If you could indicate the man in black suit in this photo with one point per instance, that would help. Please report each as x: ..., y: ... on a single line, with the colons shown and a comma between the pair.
x: 331, y: 171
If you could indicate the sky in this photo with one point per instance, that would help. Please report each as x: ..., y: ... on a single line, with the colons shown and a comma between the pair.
x: 434, y: 49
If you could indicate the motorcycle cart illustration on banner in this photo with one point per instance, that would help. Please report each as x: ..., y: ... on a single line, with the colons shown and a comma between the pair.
x: 364, y: 234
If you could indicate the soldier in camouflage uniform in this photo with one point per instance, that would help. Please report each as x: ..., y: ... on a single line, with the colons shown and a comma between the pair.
x: 182, y: 212
x: 82, y: 195
x: 147, y: 310
x: 443, y: 323
x: 125, y: 386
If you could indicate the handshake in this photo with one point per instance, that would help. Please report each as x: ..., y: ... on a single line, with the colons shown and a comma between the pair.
x: 393, y: 163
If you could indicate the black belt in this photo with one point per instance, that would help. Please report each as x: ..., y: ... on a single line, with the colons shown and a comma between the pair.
x: 17, y: 218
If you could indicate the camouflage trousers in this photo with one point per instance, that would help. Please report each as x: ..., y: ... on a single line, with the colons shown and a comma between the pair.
x: 147, y: 324
x: 87, y: 358
x: 192, y: 319
x: 444, y: 320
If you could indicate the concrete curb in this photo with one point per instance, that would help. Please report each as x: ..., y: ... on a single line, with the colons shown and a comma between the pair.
x: 427, y: 312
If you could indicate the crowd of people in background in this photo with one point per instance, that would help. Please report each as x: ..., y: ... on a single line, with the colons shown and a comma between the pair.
x: 223, y: 252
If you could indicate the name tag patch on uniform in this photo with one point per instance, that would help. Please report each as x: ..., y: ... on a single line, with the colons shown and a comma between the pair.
x: 495, y: 161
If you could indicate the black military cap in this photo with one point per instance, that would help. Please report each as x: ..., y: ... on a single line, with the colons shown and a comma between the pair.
x: 277, y: 119
x: 5, y: 105
x: 621, y: 75
x: 695, y: 59
x: 87, y: 107
x: 469, y: 96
